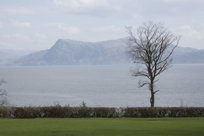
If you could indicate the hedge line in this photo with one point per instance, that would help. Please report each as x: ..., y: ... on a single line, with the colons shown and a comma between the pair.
x: 102, y: 112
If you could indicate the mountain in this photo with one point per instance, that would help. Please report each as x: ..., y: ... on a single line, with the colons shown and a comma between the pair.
x: 188, y: 56
x: 68, y: 52
x: 8, y: 56
x: 71, y: 52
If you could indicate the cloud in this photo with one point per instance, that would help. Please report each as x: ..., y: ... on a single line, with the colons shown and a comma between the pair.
x: 15, y: 36
x: 92, y: 20
x: 191, y: 36
x: 21, y: 24
x: 1, y: 25
x: 41, y: 36
x: 84, y: 7
x: 161, y: 9
x: 183, y: 1
x: 188, y: 32
x: 8, y: 24
x: 65, y: 28
x: 69, y: 29
x: 77, y: 4
x: 111, y: 28
x: 18, y: 11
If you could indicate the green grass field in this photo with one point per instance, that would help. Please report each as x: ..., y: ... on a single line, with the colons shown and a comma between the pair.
x: 103, y: 127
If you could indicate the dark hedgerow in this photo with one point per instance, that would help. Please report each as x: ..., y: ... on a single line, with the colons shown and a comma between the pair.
x: 105, y: 112
x: 164, y: 112
x: 6, y: 112
x: 26, y: 112
x: 101, y: 112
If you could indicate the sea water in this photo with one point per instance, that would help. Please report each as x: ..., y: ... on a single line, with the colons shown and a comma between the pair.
x: 101, y: 85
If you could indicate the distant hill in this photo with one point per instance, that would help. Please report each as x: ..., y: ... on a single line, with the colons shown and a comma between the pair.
x: 188, y: 56
x: 71, y: 52
x: 68, y: 52
x: 9, y: 56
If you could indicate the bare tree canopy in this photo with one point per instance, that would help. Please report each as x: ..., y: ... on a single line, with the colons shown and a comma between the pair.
x: 3, y: 94
x: 152, y: 46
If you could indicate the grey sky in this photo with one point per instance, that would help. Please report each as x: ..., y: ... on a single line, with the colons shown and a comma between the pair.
x: 37, y: 24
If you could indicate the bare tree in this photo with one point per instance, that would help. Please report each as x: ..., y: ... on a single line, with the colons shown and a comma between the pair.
x: 3, y: 95
x: 151, y: 46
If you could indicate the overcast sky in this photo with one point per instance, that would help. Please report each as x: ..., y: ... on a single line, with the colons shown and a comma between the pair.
x: 37, y: 24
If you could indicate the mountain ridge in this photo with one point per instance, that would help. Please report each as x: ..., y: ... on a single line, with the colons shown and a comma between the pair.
x: 73, y: 52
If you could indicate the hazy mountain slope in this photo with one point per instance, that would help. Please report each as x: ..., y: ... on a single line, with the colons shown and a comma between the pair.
x: 9, y: 56
x: 69, y: 52
x: 188, y: 55
x: 36, y: 58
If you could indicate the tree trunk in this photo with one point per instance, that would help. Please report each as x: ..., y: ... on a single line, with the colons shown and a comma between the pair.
x: 152, y: 100
x: 151, y: 87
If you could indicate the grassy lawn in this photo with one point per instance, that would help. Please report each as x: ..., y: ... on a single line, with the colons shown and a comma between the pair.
x: 103, y: 127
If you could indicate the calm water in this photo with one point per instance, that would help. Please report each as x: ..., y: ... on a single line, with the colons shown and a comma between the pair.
x: 113, y: 85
